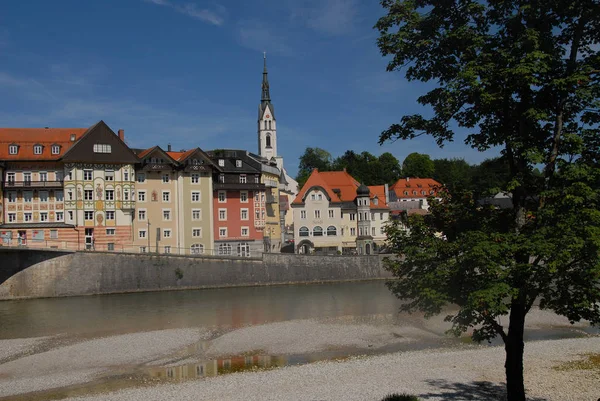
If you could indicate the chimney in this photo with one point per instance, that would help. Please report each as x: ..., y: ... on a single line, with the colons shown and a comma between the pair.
x: 407, y: 179
x: 168, y: 147
x: 387, y: 193
x: 122, y: 135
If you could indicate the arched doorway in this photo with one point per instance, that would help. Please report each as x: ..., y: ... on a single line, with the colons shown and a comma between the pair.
x: 368, y: 249
x: 305, y: 247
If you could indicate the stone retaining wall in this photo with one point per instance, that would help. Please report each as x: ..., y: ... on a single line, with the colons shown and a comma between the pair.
x: 87, y: 273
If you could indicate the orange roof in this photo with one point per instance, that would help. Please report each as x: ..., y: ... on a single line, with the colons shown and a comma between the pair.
x: 26, y: 138
x: 347, y: 185
x: 406, y: 187
x: 180, y: 156
x: 144, y: 153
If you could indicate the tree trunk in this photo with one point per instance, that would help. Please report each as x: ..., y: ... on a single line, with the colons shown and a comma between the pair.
x: 514, y: 347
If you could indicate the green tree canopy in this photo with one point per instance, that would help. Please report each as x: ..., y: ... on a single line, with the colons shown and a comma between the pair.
x: 455, y: 174
x: 523, y: 77
x: 312, y: 158
x: 418, y: 165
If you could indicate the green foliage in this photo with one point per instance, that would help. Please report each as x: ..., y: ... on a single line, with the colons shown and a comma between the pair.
x: 418, y: 165
x: 455, y: 174
x: 400, y: 397
x: 312, y: 158
x: 523, y: 78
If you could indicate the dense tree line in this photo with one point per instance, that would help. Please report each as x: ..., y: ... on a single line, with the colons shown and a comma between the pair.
x: 484, y: 179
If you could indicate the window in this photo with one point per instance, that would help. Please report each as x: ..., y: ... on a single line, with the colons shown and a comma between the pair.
x: 360, y: 231
x: 28, y: 216
x: 27, y: 177
x: 27, y: 196
x: 245, y: 232
x: 405, y: 192
x: 268, y: 140
x: 142, y: 234
x: 197, y: 249
x: 125, y: 194
x: 142, y: 249
x: 60, y: 216
x: 55, y: 149
x: 415, y: 192
x: 166, y: 196
x: 88, y: 194
x: 196, y: 214
x: 373, y: 216
x: 256, y: 179
x: 59, y: 196
x: 244, y: 214
x: 88, y: 215
x: 317, y: 232
x: 12, y: 217
x: 303, y: 232
x: 373, y: 231
x: 43, y: 196
x: 87, y: 175
x: 221, y: 162
x: 225, y: 249
x: 125, y: 175
x: 238, y: 163
x: 320, y: 196
x: 313, y: 196
x: 53, y: 234
x: 110, y: 231
x: 165, y: 178
x: 242, y: 178
x: 166, y: 233
x: 102, y: 148
x: 331, y: 213
x: 142, y: 214
x: 317, y: 214
x: 167, y: 214
x: 43, y: 177
x: 110, y: 246
x: 222, y: 178
x: 222, y: 232
x: 381, y: 216
x: 243, y: 249
x: 222, y: 196
x: 70, y: 215
x: 37, y: 149
x: 142, y: 196
x: 10, y: 178
x: 302, y: 214
x: 11, y: 196
x: 257, y: 215
x: 110, y: 215
x: 109, y: 195
x: 195, y: 178
x: 352, y: 231
x: 70, y: 175
x: 352, y: 216
x: 167, y: 249
x: 197, y: 232
x: 222, y: 214
x: 141, y: 178
x: 70, y: 193
x: 13, y: 149
x: 195, y: 196
x: 382, y: 230
x: 109, y: 175
x: 331, y: 230
x: 244, y: 196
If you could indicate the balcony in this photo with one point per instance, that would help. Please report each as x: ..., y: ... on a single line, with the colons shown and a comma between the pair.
x: 156, y: 167
x: 250, y: 186
x: 33, y: 184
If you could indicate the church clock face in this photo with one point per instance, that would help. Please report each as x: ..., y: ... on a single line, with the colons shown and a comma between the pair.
x: 267, y: 116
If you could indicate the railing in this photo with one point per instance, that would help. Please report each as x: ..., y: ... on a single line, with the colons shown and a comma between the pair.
x: 239, y: 185
x: 33, y: 184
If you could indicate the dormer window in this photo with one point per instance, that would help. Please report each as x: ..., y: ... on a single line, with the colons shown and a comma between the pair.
x: 37, y: 149
x: 221, y: 162
x: 13, y: 149
x: 73, y: 137
x: 102, y: 148
x: 238, y: 163
x: 55, y: 149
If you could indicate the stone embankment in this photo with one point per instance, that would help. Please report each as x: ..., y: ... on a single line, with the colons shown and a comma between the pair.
x: 88, y: 273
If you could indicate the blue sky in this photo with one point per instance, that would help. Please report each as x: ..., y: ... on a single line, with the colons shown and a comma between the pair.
x: 188, y: 72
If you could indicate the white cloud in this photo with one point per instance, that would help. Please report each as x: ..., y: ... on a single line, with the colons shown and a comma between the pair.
x: 215, y: 16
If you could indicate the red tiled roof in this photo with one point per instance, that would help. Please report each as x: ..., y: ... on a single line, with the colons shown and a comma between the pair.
x: 144, y: 153
x: 26, y: 138
x: 379, y: 191
x: 410, y: 185
x: 181, y: 156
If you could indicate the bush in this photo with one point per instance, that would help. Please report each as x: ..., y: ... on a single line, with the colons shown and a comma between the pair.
x: 400, y: 397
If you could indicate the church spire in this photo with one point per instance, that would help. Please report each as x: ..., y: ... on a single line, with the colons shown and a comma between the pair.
x: 266, y: 96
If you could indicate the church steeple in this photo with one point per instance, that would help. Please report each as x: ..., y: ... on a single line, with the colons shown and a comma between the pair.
x: 266, y: 96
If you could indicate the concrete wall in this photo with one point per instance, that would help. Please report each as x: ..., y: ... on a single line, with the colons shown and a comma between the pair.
x: 90, y: 273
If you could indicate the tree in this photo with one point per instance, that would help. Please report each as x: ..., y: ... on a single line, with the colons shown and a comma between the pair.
x: 523, y: 77
x: 455, y: 174
x: 312, y: 158
x: 490, y: 177
x: 390, y: 169
x: 418, y: 165
x: 369, y: 169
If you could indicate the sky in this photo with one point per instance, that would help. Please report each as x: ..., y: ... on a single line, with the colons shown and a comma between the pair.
x: 188, y: 73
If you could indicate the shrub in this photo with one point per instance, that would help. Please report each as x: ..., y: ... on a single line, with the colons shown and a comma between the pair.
x: 400, y: 397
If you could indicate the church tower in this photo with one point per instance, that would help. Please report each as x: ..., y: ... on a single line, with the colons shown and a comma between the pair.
x: 267, y: 128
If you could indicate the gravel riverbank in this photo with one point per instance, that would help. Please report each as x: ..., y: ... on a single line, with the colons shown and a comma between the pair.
x: 475, y: 374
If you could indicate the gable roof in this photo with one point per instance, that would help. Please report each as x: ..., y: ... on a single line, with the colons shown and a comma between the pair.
x: 146, y: 153
x: 26, y: 138
x: 331, y: 182
x: 415, y: 184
